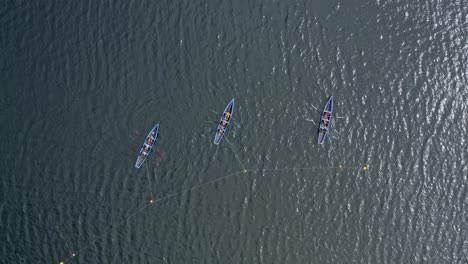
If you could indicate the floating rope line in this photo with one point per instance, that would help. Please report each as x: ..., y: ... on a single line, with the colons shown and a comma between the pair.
x: 235, y: 154
x: 150, y: 185
x: 108, y: 231
x: 243, y: 172
x: 66, y: 241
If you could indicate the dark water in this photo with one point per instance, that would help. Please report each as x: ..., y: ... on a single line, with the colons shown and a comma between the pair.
x: 80, y: 80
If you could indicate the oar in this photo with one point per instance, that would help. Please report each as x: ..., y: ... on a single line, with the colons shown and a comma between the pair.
x: 321, y: 112
x: 234, y: 133
x: 232, y: 121
x: 310, y: 120
x: 334, y: 131
x: 211, y: 122
x: 339, y: 116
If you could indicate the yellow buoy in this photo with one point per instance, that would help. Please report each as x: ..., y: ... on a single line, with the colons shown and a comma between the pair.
x: 365, y: 167
x: 61, y: 262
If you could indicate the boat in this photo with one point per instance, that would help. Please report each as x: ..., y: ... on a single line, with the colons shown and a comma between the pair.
x: 224, y: 122
x: 325, y: 120
x: 147, y: 146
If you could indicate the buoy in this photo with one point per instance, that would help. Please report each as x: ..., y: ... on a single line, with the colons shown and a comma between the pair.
x: 61, y: 262
x: 245, y: 171
x: 151, y: 201
x: 365, y: 167
x: 73, y: 254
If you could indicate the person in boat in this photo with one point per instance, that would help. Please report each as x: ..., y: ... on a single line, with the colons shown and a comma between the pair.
x: 226, y: 118
x: 146, y: 150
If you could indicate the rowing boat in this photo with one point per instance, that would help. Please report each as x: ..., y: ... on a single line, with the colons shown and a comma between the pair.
x: 224, y: 122
x: 147, y: 146
x: 325, y: 120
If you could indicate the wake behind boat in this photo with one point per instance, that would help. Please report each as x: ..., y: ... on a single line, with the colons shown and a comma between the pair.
x: 147, y: 146
x: 224, y: 122
x: 325, y: 120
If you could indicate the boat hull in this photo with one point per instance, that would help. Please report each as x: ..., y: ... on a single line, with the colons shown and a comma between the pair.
x: 224, y: 122
x: 147, y: 146
x: 325, y: 120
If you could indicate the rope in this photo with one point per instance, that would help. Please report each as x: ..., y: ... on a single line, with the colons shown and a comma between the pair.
x: 243, y: 172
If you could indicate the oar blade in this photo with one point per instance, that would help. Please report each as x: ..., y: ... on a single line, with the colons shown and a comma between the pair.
x: 310, y: 120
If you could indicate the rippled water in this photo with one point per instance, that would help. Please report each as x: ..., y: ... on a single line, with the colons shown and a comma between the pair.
x: 83, y: 82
